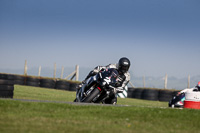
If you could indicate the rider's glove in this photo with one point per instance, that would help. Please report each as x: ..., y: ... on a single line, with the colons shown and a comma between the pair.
x: 119, y: 89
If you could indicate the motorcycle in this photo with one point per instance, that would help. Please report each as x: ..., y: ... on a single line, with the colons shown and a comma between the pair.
x: 177, y: 101
x: 98, y: 87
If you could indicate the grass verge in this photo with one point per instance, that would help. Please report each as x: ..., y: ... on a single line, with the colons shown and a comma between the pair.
x: 19, y: 116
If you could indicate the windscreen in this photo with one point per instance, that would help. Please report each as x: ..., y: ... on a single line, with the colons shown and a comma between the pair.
x: 110, y: 75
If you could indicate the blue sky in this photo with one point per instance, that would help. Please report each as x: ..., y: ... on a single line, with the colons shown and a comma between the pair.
x: 158, y: 36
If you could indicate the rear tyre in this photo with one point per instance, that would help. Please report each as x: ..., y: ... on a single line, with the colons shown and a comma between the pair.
x: 91, y: 96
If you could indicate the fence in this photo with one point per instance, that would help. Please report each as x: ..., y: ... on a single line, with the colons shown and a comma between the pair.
x: 51, y: 83
x: 166, y: 81
x: 74, y: 74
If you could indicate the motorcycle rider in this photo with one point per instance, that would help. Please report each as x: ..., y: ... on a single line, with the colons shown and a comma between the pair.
x: 196, y: 88
x: 124, y: 77
x: 178, y: 100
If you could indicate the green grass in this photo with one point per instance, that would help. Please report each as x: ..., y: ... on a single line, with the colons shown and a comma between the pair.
x: 140, y: 117
x: 28, y: 92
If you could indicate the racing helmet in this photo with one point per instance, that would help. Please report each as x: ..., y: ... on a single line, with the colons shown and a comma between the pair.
x: 198, y: 86
x: 123, y: 65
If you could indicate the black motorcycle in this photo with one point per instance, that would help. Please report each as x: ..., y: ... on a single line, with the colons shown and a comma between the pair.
x: 177, y: 101
x: 98, y: 87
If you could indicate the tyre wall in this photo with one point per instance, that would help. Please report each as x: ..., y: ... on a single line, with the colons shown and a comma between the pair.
x: 6, y: 86
x: 7, y: 82
x: 151, y: 94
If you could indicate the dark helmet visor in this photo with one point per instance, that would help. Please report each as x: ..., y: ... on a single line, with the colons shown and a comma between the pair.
x: 123, y: 69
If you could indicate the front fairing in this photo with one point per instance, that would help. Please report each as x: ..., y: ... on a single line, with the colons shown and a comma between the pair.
x: 178, y: 100
x: 108, y: 77
x: 102, y: 81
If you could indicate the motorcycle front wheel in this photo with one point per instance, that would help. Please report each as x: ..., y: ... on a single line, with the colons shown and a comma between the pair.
x: 91, y: 96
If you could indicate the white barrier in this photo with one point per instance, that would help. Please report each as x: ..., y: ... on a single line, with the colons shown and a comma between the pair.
x: 192, y: 100
x: 192, y: 95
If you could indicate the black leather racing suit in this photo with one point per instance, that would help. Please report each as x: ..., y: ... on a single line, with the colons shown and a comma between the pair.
x: 123, y: 81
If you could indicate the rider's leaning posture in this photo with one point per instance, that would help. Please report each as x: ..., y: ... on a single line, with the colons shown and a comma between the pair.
x: 124, y: 77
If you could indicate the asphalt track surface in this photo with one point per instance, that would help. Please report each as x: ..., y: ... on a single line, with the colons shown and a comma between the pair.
x: 73, y: 103
x: 81, y: 104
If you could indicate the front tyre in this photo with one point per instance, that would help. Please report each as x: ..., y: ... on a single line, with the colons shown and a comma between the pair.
x: 75, y: 100
x: 91, y: 96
